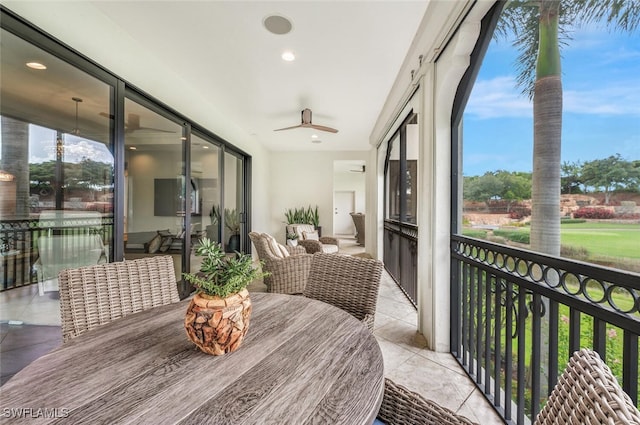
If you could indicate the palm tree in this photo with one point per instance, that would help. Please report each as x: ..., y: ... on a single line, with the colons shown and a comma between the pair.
x: 541, y: 29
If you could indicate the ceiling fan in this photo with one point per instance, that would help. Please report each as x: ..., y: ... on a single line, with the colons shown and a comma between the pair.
x: 306, y: 123
x: 133, y: 124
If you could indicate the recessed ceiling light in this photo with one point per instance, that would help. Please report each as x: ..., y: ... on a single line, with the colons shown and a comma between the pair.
x: 314, y: 136
x: 288, y: 56
x: 205, y: 147
x: 36, y: 65
x: 132, y: 148
x: 277, y: 24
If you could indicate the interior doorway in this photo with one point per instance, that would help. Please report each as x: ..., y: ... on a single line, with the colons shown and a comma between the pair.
x: 343, y: 204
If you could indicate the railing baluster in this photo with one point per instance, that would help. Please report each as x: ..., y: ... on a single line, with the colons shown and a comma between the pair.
x: 465, y: 314
x: 630, y: 365
x: 489, y: 279
x: 600, y: 337
x: 478, y: 319
x: 508, y: 351
x: 574, y: 332
x: 497, y: 342
x: 553, y: 345
x: 522, y: 315
x: 472, y: 313
x: 536, y: 349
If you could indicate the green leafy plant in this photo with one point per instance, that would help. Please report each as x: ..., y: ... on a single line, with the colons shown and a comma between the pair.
x: 292, y: 236
x: 232, y: 220
x: 214, y: 214
x: 220, y: 275
x: 302, y: 215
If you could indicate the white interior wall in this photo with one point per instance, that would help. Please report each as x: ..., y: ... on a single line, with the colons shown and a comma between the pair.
x: 300, y: 179
x: 351, y: 181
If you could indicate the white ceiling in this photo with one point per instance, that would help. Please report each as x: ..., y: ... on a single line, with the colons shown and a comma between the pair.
x: 348, y: 54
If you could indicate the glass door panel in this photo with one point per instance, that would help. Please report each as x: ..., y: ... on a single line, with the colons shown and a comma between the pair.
x: 234, y: 214
x: 155, y: 201
x: 56, y: 167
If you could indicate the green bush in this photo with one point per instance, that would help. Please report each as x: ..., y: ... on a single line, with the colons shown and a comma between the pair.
x: 475, y: 233
x: 513, y: 235
x: 572, y: 220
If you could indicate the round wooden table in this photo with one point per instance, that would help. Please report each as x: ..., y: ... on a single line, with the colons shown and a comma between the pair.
x: 302, y: 362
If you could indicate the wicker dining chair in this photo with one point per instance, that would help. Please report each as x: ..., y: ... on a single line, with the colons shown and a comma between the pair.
x: 350, y: 283
x: 287, y: 275
x: 588, y: 393
x: 94, y: 295
x: 401, y: 406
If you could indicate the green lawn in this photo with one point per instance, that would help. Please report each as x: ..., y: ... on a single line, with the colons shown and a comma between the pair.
x: 618, y: 240
x: 605, y: 239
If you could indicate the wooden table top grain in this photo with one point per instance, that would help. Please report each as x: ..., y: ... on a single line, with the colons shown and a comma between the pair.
x: 302, y: 362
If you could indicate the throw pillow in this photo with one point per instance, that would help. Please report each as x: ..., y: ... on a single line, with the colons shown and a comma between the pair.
x: 153, y: 245
x: 311, y: 236
x: 284, y: 251
x: 273, y: 245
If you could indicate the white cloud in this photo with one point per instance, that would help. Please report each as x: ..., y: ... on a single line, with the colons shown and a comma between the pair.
x: 497, y: 98
x: 618, y: 98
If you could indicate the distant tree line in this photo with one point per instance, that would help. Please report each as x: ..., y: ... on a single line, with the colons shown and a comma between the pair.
x: 600, y: 175
x: 86, y: 174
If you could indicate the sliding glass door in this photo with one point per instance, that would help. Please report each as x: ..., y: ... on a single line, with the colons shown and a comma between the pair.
x: 56, y: 166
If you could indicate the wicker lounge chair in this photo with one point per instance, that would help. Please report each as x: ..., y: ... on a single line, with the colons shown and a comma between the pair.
x: 94, y: 295
x: 401, y: 406
x: 288, y: 274
x: 347, y: 282
x: 588, y: 393
x: 326, y: 244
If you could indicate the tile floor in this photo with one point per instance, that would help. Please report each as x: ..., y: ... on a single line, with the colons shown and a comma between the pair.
x: 437, y: 376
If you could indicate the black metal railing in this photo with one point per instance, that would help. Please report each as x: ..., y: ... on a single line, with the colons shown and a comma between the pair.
x: 19, y: 243
x: 401, y: 256
x: 516, y: 317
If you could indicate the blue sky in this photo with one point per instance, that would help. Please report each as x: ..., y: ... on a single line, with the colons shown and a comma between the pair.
x: 601, y: 84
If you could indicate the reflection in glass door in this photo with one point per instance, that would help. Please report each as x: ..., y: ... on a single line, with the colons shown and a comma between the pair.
x: 234, y: 214
x: 56, y: 167
x: 154, y: 196
x: 205, y: 175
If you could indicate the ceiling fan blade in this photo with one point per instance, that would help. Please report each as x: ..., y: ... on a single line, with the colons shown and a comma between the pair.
x: 290, y: 128
x: 323, y: 128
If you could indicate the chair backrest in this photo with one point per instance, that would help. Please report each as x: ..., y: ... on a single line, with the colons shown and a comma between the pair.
x: 94, y: 295
x: 588, y: 393
x: 402, y: 406
x: 350, y: 283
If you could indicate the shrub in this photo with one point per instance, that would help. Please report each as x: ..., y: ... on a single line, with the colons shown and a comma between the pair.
x: 593, y: 213
x: 475, y: 233
x: 518, y: 213
x: 572, y: 220
x: 513, y: 235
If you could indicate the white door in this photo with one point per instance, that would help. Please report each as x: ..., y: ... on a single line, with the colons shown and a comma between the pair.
x: 343, y: 204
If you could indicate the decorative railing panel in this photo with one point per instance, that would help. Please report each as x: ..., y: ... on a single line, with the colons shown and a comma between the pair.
x: 517, y: 316
x: 401, y: 256
x: 19, y: 243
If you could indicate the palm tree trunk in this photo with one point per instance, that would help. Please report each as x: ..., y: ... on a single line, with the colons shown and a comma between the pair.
x: 547, y: 132
x: 547, y: 140
x: 15, y: 160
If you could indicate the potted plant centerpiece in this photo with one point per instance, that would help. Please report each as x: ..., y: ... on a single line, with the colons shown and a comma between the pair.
x: 218, y: 315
